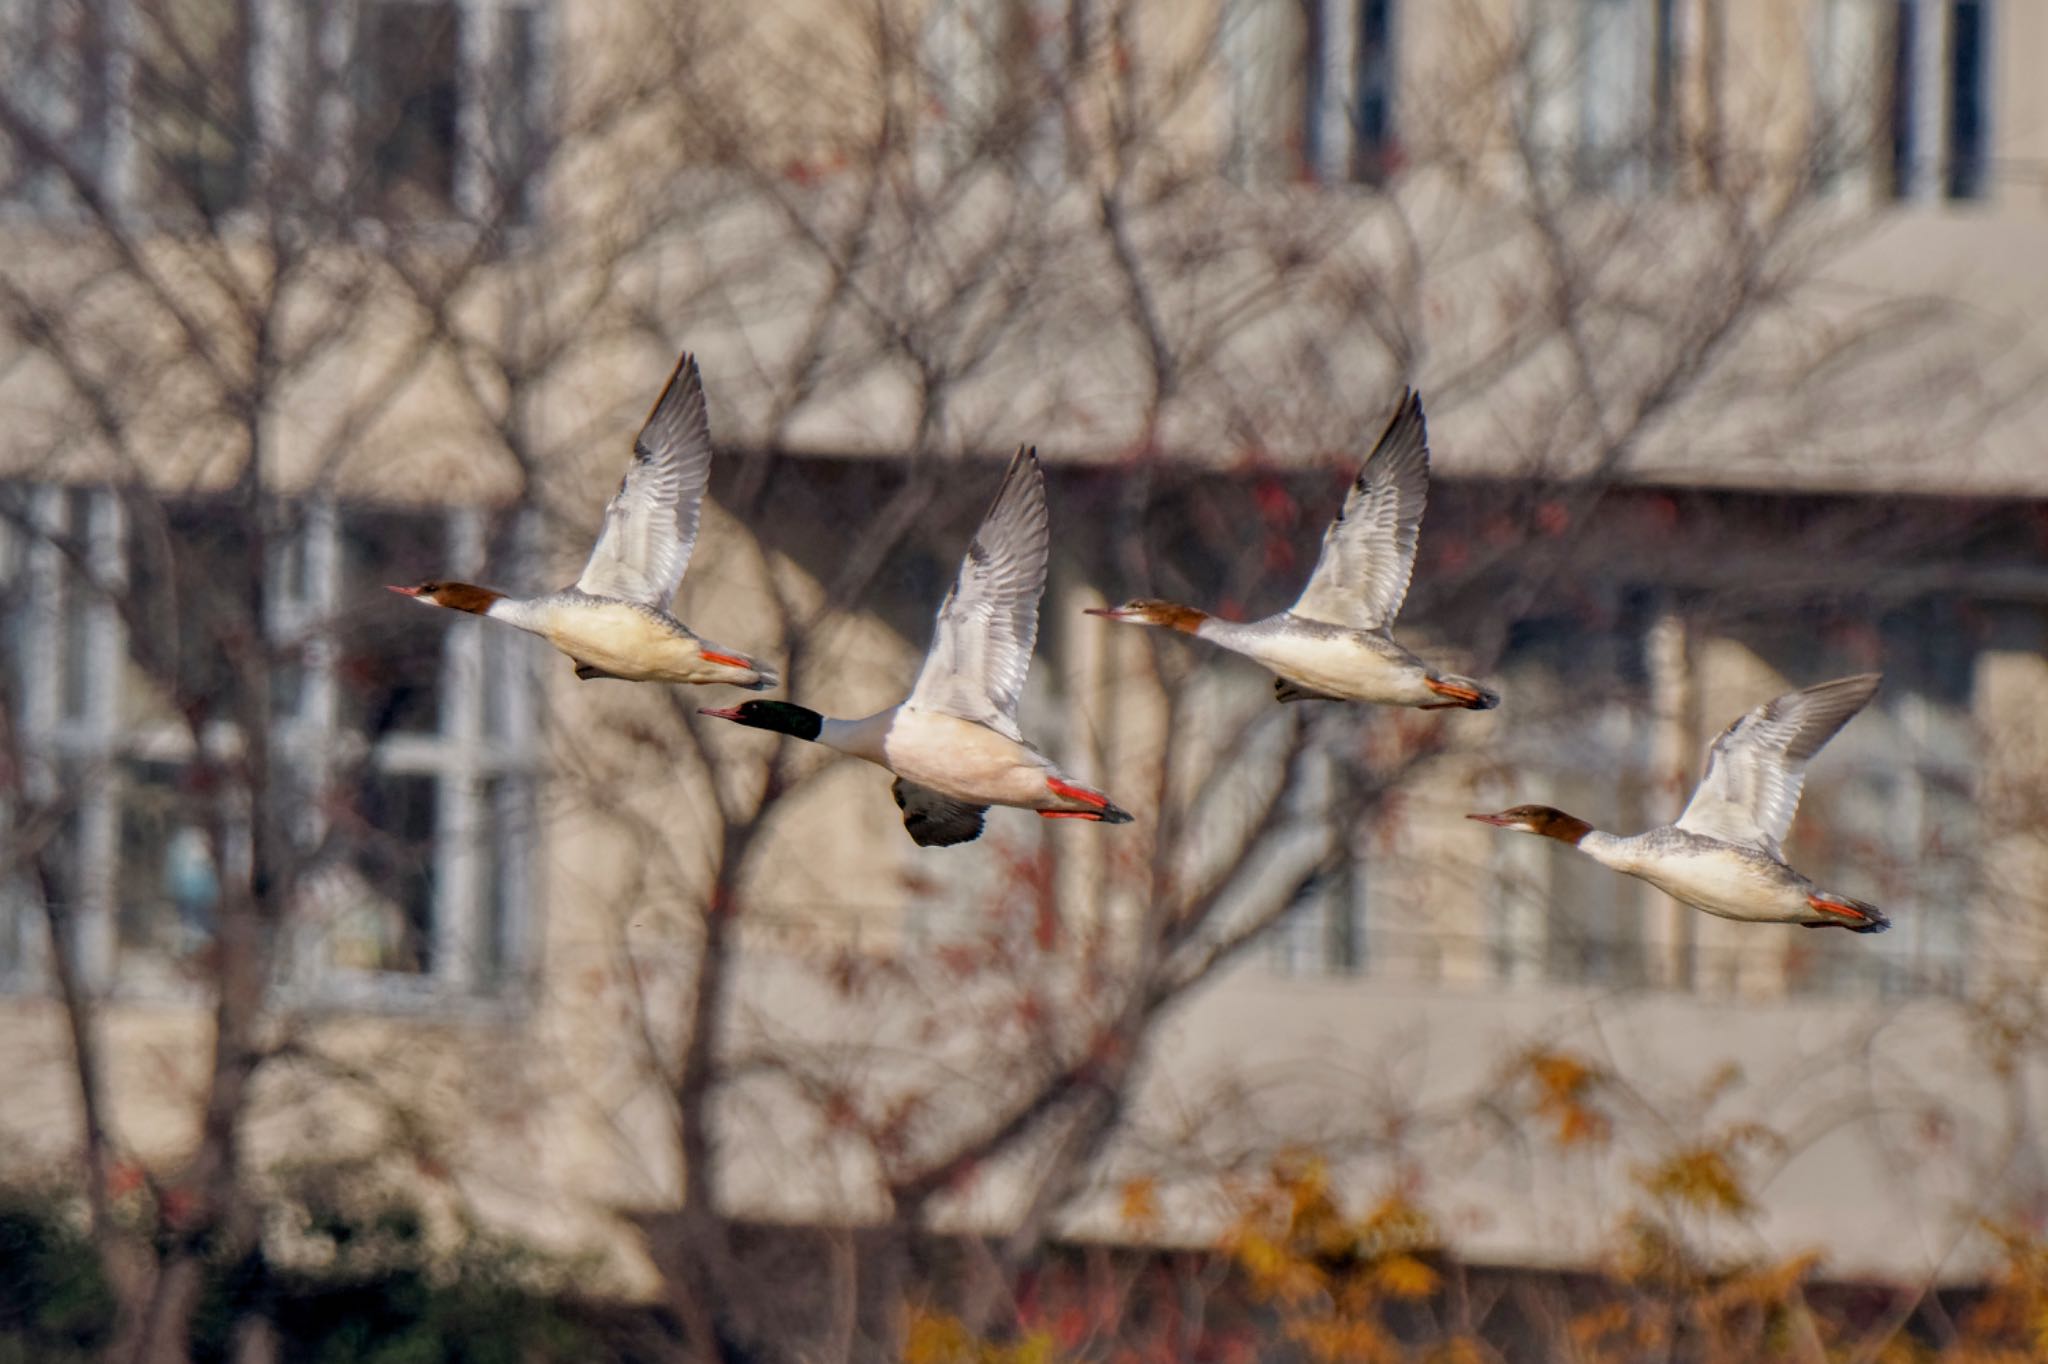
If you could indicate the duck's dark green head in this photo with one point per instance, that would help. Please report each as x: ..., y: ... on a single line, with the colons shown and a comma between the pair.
x: 781, y: 716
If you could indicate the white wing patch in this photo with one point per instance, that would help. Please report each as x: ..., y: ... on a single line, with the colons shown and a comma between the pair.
x: 1368, y: 555
x: 650, y: 525
x: 1757, y: 768
x: 988, y: 625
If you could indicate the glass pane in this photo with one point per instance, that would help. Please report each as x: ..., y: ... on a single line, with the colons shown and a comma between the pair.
x: 1967, y: 53
x: 1904, y: 95
x: 78, y: 607
x: 508, y: 836
x: 192, y: 105
x: 408, y: 92
x: 57, y: 60
x: 201, y: 588
x: 390, y: 669
x: 384, y: 919
x: 514, y: 103
x: 62, y: 856
x: 1372, y: 148
x: 167, y: 885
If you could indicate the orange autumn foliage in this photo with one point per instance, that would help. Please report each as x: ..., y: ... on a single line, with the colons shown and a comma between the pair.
x: 1330, y: 1276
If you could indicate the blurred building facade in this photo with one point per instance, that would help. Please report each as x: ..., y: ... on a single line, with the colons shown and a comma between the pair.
x: 473, y: 896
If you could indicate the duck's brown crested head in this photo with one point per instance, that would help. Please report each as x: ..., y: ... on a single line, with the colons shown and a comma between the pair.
x: 1150, y: 611
x: 1541, y: 820
x: 454, y: 596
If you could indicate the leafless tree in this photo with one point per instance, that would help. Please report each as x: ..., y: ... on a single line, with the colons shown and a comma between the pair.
x: 282, y: 262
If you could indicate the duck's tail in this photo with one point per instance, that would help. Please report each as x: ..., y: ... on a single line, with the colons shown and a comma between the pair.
x: 1461, y: 692
x: 1843, y: 912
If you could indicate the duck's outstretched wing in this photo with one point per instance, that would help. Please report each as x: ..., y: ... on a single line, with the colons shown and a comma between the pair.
x: 936, y: 821
x: 1368, y: 555
x: 1757, y: 768
x: 988, y: 624
x: 650, y: 525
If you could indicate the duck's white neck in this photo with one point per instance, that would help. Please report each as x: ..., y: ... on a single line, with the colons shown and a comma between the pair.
x: 863, y: 738
x: 1609, y: 850
x: 515, y: 611
x: 1230, y: 634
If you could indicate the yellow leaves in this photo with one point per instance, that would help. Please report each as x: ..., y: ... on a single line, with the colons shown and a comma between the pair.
x: 1565, y: 1088
x: 1706, y: 1177
x: 1700, y: 1177
x: 1404, y: 1276
x: 1276, y: 1272
x: 937, y: 1338
x: 2014, y: 1314
x: 1333, y: 1340
x: 1331, y: 1276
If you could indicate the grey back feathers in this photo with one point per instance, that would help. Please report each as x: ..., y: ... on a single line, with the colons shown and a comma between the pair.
x: 1361, y: 577
x: 1756, y: 769
x: 650, y: 525
x: 988, y: 624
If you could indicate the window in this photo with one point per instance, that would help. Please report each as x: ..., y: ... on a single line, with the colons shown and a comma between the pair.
x: 1581, y: 681
x: 57, y: 57
x: 404, y: 746
x: 1313, y: 89
x: 1604, y: 79
x: 991, y: 67
x: 1967, y: 74
x: 424, y: 108
x: 1940, y: 95
x: 1891, y: 815
x: 194, y: 114
x: 1846, y: 94
x: 1324, y: 934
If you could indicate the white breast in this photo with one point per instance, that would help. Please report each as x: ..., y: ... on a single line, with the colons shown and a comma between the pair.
x: 1340, y: 664
x: 615, y: 636
x: 954, y: 757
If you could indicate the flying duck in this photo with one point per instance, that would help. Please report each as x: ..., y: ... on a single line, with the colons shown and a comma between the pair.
x: 1335, y: 642
x: 954, y: 745
x: 1723, y: 854
x: 614, y: 620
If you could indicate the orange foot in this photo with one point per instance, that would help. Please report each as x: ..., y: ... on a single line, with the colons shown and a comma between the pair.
x: 1458, y: 696
x: 729, y: 660
x: 1080, y: 793
x: 1840, y: 911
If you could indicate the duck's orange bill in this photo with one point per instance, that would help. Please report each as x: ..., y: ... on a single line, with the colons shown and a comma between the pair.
x: 728, y: 660
x: 402, y: 591
x: 1069, y: 814
x: 730, y: 713
x: 1460, y: 694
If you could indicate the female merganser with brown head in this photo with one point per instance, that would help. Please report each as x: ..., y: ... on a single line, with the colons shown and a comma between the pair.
x: 1335, y: 643
x: 954, y: 745
x: 614, y: 620
x: 1723, y: 853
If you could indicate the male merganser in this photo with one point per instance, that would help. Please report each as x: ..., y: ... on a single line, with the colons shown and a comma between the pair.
x: 614, y: 621
x: 1723, y: 854
x: 1335, y: 643
x: 954, y: 744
